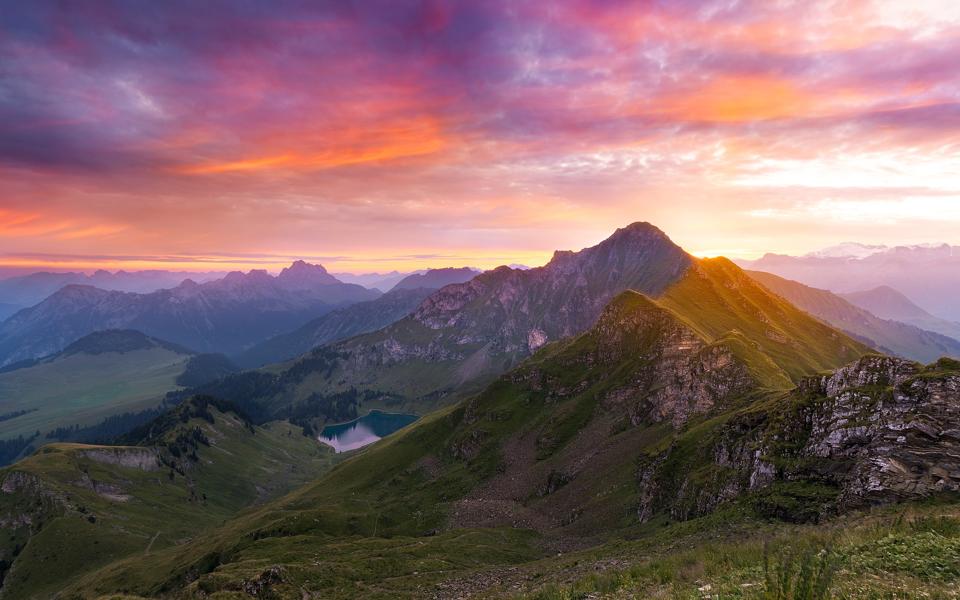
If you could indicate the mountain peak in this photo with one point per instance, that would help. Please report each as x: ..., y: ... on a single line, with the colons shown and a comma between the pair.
x: 638, y: 233
x: 639, y: 256
x: 301, y: 274
x: 302, y: 266
x: 639, y: 228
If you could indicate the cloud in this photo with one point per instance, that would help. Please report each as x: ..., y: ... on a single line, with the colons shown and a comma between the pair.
x: 341, y: 127
x: 869, y: 211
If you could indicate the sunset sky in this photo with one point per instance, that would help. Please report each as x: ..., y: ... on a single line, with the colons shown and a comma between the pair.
x: 388, y: 134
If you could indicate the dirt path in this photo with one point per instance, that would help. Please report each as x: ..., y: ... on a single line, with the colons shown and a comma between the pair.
x: 150, y: 545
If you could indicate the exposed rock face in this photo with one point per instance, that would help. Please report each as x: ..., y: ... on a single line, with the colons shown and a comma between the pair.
x: 900, y: 428
x: 110, y: 491
x: 145, y: 459
x: 16, y: 481
x: 880, y: 430
x: 680, y: 375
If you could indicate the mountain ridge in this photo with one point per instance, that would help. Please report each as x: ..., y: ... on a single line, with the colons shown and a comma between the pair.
x: 902, y: 339
x: 223, y: 315
x: 889, y: 303
x: 465, y: 335
x: 356, y: 319
x: 927, y: 275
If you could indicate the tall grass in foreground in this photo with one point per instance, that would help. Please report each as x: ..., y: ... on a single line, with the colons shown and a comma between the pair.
x: 804, y: 575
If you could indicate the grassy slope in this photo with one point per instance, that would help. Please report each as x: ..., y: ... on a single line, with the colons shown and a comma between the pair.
x: 394, y: 492
x: 903, y: 552
x: 84, y: 388
x: 359, y: 532
x: 163, y: 508
x: 718, y: 297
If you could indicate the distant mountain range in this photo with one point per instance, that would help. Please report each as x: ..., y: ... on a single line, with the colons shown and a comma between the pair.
x: 225, y: 315
x: 890, y: 336
x: 26, y: 290
x: 463, y: 335
x: 929, y: 275
x: 353, y: 320
x: 436, y: 278
x: 380, y: 281
x: 888, y: 303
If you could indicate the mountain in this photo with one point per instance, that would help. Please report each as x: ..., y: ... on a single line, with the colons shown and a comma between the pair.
x: 379, y: 281
x: 71, y: 508
x: 95, y: 386
x: 609, y: 452
x: 888, y: 303
x: 436, y: 278
x: 224, y: 315
x: 26, y: 290
x: 465, y: 335
x: 890, y: 336
x: 928, y: 275
x: 847, y: 250
x: 7, y: 309
x: 354, y: 320
x: 342, y: 323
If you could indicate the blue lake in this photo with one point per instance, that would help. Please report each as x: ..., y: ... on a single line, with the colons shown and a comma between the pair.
x: 365, y: 430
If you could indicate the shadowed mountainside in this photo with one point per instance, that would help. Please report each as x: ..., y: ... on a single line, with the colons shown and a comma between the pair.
x: 353, y: 320
x: 225, y: 315
x: 890, y: 336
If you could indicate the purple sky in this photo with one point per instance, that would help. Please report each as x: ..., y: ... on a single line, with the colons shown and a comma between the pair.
x: 378, y: 135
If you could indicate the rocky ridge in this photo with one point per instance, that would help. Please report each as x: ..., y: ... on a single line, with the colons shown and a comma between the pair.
x: 880, y: 430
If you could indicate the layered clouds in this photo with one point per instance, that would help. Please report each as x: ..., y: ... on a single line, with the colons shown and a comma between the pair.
x: 187, y: 133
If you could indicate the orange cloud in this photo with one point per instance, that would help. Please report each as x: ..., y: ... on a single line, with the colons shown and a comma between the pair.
x: 10, y: 220
x: 91, y: 231
x: 417, y: 137
x: 23, y: 224
x: 740, y: 98
x: 252, y: 164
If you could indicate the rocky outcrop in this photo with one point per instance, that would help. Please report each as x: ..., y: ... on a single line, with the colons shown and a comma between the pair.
x: 880, y: 430
x: 144, y: 459
x: 897, y: 425
x: 17, y: 481
x: 680, y: 374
